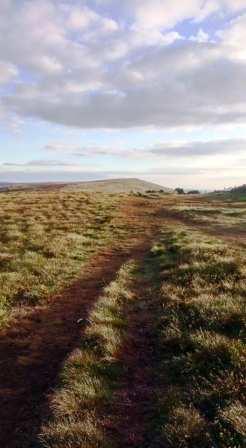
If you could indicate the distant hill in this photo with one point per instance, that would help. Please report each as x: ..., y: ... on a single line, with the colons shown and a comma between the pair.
x: 119, y: 186
x: 4, y: 185
x: 103, y: 186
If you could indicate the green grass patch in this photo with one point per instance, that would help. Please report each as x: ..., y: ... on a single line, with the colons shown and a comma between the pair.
x: 45, y: 237
x: 200, y: 340
x: 92, y: 372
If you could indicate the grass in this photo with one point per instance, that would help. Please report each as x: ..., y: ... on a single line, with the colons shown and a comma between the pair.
x: 200, y: 334
x: 190, y: 291
x: 197, y: 315
x: 45, y: 237
x: 213, y: 212
x: 91, y: 373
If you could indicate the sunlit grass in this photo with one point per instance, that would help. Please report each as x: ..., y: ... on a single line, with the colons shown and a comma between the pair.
x: 91, y: 373
x: 45, y: 237
x: 220, y: 214
x: 200, y: 334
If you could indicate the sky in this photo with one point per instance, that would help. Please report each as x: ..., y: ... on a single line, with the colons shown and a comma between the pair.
x: 154, y: 89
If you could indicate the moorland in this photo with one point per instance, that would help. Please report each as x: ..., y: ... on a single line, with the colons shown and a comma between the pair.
x: 122, y: 318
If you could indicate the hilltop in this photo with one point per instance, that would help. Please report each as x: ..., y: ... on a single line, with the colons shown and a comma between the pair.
x: 113, y: 186
x: 120, y: 186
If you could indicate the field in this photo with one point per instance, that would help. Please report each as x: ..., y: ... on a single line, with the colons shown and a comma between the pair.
x: 122, y: 320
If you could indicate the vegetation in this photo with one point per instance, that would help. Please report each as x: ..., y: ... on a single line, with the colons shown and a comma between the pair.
x: 45, y: 237
x: 239, y: 190
x: 200, y: 334
x: 215, y: 214
x: 235, y: 194
x: 118, y: 186
x: 197, y: 313
x: 157, y: 357
x: 179, y: 190
x: 193, y: 192
x: 91, y: 373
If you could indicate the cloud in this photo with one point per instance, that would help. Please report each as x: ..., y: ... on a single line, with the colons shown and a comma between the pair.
x: 37, y: 163
x: 80, y: 67
x: 93, y: 150
x: 200, y: 37
x: 200, y: 148
x: 169, y: 87
x: 96, y: 171
x: 232, y: 38
x: 8, y: 72
x: 166, y: 14
x: 159, y: 14
x: 167, y: 150
x: 81, y: 18
x: 172, y: 176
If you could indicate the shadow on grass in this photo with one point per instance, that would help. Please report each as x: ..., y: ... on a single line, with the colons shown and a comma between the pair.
x: 33, y: 349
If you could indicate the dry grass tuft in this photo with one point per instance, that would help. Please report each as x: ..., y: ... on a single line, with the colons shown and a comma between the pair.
x: 90, y: 374
x: 201, y: 348
x: 45, y: 237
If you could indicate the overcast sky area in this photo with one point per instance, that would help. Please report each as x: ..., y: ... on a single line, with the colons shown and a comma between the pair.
x: 154, y: 89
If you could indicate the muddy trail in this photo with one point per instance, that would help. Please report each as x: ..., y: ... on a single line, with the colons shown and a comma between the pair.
x: 34, y: 346
x: 133, y: 409
x: 36, y: 343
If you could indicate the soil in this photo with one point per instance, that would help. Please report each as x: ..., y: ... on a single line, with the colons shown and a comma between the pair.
x: 132, y: 408
x: 35, y: 345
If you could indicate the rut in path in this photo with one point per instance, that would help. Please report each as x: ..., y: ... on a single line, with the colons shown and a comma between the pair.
x: 133, y: 408
x: 32, y: 350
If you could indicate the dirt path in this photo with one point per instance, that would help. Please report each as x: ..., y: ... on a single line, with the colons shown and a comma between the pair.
x: 133, y: 402
x: 34, y: 347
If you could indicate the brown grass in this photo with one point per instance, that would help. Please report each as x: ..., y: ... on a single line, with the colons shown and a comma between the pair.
x: 158, y: 358
x: 45, y: 238
x: 202, y: 355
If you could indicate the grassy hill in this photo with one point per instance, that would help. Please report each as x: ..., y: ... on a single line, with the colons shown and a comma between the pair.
x: 119, y: 186
x: 113, y: 186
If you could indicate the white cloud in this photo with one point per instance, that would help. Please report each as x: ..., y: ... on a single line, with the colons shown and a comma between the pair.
x: 94, y: 150
x: 235, y: 5
x: 7, y: 72
x: 165, y: 14
x: 37, y: 164
x: 81, y: 68
x: 200, y: 37
x: 165, y: 150
x: 209, y: 7
x: 233, y: 38
x: 200, y: 149
x: 81, y: 18
x: 110, y: 25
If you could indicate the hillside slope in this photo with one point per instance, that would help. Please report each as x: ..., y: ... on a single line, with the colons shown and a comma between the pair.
x: 119, y: 186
